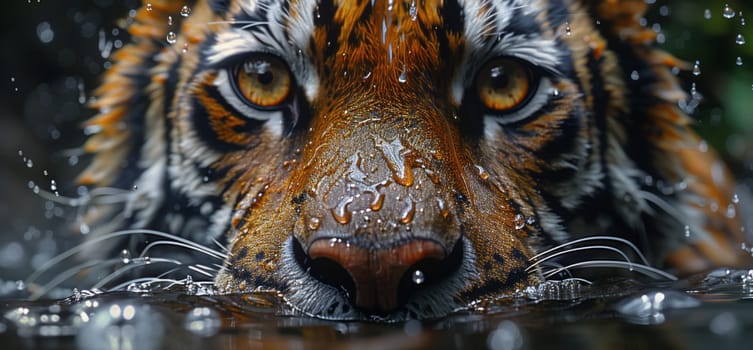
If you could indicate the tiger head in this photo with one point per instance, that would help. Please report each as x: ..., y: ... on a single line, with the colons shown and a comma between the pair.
x: 403, y: 158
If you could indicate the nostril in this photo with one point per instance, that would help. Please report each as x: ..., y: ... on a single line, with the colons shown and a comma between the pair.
x: 429, y: 272
x: 326, y: 271
x: 379, y: 280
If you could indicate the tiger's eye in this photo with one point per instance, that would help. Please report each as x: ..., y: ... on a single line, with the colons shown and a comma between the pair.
x: 503, y: 84
x: 263, y: 80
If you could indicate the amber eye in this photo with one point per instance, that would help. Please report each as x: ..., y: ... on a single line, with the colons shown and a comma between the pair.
x: 263, y: 80
x: 504, y: 84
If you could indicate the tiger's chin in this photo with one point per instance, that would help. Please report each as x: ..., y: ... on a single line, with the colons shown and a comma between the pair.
x: 320, y: 289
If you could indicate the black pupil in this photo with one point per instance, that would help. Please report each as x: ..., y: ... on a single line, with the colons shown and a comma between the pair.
x: 265, y: 77
x: 498, y: 77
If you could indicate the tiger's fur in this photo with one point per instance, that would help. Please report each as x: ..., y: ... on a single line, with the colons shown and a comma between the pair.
x: 383, y: 140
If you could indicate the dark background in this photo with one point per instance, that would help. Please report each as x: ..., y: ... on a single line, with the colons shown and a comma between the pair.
x: 53, y: 52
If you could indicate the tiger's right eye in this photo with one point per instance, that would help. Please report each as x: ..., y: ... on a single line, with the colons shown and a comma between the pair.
x: 263, y: 81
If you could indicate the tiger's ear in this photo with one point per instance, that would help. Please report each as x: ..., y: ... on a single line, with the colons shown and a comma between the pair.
x: 122, y: 100
x: 703, y: 206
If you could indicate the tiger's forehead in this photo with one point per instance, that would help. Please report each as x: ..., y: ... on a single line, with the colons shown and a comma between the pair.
x: 436, y: 42
x: 350, y: 21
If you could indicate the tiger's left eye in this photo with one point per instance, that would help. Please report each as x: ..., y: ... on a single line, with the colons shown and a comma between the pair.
x: 263, y: 81
x: 504, y: 84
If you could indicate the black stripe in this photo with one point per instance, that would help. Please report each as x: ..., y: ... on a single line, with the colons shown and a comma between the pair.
x: 522, y: 24
x: 325, y: 18
x: 219, y: 7
x: 558, y: 13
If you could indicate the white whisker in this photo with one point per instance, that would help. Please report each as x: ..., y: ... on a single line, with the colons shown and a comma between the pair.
x: 193, y: 247
x: 77, y: 249
x: 633, y: 267
x: 593, y: 238
x: 572, y: 250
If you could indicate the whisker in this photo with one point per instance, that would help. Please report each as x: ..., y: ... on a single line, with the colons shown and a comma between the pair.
x: 65, y: 275
x: 633, y: 267
x: 77, y: 249
x: 572, y: 250
x: 221, y: 246
x: 125, y: 284
x: 194, y: 247
x: 593, y: 238
x: 198, y: 270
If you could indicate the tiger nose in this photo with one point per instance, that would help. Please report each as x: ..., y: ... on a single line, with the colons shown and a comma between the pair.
x: 378, y: 280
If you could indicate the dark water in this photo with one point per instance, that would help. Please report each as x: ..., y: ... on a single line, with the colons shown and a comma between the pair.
x: 703, y: 312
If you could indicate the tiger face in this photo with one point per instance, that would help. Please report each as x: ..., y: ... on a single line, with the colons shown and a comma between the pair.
x: 401, y: 159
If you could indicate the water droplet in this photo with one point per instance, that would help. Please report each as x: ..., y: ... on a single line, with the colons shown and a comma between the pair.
x: 735, y: 198
x: 20, y: 285
x: 703, y: 146
x: 147, y: 260
x: 728, y: 12
x: 29, y: 163
x: 53, y: 185
x: 740, y: 40
x: 340, y: 213
x: 410, y: 210
x: 687, y: 231
x: 731, y: 212
x: 418, y: 277
x: 739, y: 61
x: 84, y: 228
x: 172, y: 37
x: 125, y: 256
x: 314, y: 223
x: 697, y: 68
x: 707, y: 14
x: 634, y: 75
x: 149, y: 7
x: 185, y: 11
x: 693, y: 90
x: 169, y: 20
x: 185, y: 48
x: 568, y: 30
x: 413, y: 10
x: 403, y: 78
x: 519, y: 221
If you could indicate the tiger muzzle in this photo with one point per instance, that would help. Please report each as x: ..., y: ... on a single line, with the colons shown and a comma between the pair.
x: 377, y: 208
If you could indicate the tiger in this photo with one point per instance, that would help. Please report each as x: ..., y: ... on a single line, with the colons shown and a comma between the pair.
x: 402, y: 159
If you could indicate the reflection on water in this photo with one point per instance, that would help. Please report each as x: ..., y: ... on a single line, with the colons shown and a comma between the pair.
x: 699, y: 312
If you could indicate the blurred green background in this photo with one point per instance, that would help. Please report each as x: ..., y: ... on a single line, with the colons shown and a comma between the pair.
x: 53, y: 52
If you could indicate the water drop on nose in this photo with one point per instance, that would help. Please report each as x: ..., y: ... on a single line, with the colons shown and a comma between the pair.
x: 707, y: 14
x: 29, y: 163
x: 185, y: 11
x: 728, y: 12
x: 403, y: 78
x: 740, y: 40
x: 172, y: 37
x: 53, y: 185
x: 169, y: 20
x: 125, y: 255
x: 314, y: 223
x: 697, y: 68
x: 735, y: 198
x: 739, y: 61
x: 418, y: 277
